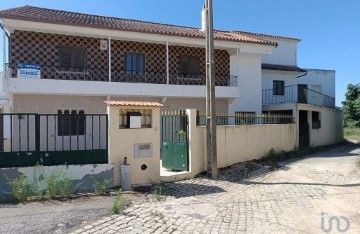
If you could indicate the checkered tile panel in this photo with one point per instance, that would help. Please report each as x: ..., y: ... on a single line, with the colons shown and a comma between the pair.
x: 42, y: 48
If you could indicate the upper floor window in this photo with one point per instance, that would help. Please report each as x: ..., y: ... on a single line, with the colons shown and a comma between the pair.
x: 134, y: 62
x: 72, y: 57
x: 71, y: 123
x: 189, y: 66
x: 278, y: 87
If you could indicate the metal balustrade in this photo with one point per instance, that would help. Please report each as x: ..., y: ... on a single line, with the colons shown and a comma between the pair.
x: 297, y: 94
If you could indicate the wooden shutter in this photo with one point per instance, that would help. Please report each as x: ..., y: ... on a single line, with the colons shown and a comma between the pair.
x: 65, y: 56
x: 189, y: 65
x: 194, y: 65
x: 79, y: 55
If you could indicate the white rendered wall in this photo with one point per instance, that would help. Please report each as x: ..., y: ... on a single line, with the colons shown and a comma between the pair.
x: 324, y: 78
x: 248, y: 70
x: 284, y: 54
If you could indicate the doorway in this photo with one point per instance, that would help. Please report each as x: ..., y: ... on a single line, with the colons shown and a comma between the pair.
x: 304, y: 141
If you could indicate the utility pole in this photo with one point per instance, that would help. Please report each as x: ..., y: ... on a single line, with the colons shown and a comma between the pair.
x: 210, y: 92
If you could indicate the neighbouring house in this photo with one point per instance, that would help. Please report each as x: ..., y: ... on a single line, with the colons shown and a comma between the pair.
x: 60, y: 67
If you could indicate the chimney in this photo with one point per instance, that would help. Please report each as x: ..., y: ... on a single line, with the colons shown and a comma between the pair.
x: 203, y: 18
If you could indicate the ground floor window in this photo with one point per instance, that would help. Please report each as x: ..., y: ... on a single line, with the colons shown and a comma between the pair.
x: 71, y: 122
x: 316, y: 123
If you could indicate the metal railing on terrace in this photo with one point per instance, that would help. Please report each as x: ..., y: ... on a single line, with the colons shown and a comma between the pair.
x: 296, y: 94
x: 246, y: 119
x: 91, y: 74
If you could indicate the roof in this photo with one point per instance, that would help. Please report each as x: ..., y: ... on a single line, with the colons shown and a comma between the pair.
x: 131, y: 103
x: 278, y: 67
x: 44, y: 15
x: 266, y: 35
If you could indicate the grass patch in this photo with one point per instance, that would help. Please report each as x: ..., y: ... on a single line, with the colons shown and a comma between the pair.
x: 100, y: 184
x: 358, y: 164
x: 119, y: 203
x: 21, y: 188
x: 161, y: 192
x: 280, y: 155
x: 352, y: 134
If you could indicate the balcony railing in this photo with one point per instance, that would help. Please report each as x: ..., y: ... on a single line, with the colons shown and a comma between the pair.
x: 90, y: 74
x: 297, y: 94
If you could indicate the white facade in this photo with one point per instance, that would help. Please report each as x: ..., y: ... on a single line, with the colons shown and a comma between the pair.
x: 245, y: 63
x: 285, y: 53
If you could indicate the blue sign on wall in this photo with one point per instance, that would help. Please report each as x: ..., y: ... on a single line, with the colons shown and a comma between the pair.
x: 25, y: 70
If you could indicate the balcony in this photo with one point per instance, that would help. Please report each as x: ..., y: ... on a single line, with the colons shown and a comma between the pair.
x: 297, y: 94
x: 88, y: 81
x: 90, y: 74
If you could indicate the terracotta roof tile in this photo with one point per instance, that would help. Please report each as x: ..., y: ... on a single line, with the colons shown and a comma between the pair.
x: 265, y: 35
x: 37, y: 14
x: 132, y: 103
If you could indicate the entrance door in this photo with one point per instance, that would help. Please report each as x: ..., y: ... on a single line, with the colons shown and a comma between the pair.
x: 303, y: 129
x: 1, y: 133
x: 174, y: 141
x: 302, y: 93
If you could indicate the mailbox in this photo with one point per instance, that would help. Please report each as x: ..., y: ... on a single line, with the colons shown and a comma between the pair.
x: 134, y: 120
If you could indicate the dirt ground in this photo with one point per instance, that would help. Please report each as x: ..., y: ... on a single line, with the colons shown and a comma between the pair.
x: 57, y: 216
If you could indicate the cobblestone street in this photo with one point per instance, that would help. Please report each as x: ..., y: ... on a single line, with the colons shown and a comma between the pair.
x: 290, y: 199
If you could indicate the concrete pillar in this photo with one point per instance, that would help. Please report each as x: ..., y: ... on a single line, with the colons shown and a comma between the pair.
x: 197, y: 144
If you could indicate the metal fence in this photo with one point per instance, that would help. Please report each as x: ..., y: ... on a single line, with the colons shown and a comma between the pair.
x: 246, y: 119
x: 53, y: 139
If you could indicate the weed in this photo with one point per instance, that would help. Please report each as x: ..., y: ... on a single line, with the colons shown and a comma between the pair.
x: 119, y: 203
x: 21, y: 188
x: 58, y: 184
x: 181, y: 133
x: 358, y: 164
x: 161, y: 192
x: 100, y: 184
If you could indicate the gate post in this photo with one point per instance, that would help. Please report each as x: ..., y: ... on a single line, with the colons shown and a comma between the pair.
x: 196, y: 141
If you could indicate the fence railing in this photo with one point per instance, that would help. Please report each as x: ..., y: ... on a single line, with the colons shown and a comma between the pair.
x: 53, y: 139
x: 296, y: 94
x: 92, y: 74
x: 247, y: 119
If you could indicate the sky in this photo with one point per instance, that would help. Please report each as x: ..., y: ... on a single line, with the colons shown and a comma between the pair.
x: 329, y: 29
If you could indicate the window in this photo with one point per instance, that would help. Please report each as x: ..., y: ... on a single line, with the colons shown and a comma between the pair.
x: 189, y: 66
x: 71, y: 123
x: 316, y: 123
x: 72, y: 57
x: 134, y: 63
x: 278, y: 87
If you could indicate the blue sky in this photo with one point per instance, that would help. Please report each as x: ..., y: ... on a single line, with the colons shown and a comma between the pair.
x: 329, y: 29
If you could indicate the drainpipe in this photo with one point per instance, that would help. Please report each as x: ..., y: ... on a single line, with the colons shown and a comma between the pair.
x: 167, y: 63
x: 302, y: 75
x: 109, y: 50
x: 4, y: 48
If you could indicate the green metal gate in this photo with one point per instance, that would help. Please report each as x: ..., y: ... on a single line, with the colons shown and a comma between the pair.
x: 69, y: 138
x: 174, y: 141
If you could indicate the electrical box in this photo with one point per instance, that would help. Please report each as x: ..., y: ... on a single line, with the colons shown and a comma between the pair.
x: 134, y: 120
